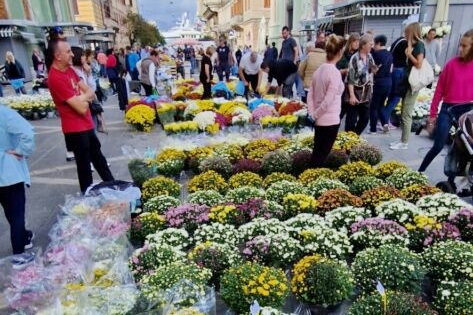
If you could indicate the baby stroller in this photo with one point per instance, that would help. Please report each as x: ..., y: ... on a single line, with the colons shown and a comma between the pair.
x: 459, y: 159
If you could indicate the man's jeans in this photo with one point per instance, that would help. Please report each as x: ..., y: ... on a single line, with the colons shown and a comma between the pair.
x: 288, y: 84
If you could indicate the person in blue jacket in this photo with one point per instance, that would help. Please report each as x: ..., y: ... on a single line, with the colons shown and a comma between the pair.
x: 16, y: 145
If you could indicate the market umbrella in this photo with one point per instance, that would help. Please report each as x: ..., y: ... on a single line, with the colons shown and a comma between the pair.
x: 441, y: 13
x: 185, y: 41
x: 262, y: 35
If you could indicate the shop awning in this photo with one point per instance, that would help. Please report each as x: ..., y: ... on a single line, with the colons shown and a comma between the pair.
x: 324, y: 22
x: 6, y: 31
x: 384, y: 9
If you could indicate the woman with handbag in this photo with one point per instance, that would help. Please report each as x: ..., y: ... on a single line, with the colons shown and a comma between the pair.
x: 454, y: 88
x: 360, y: 86
x: 324, y: 100
x: 415, y: 53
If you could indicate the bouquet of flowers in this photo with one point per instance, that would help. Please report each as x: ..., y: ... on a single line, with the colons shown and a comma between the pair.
x: 147, y: 259
x: 205, y: 119
x: 141, y: 117
x: 263, y: 111
x: 217, y: 233
x: 325, y: 240
x: 349, y: 172
x: 454, y: 298
x: 188, y: 216
x: 312, y: 174
x: 243, y: 194
x: 170, y: 162
x: 205, y: 197
x: 209, y: 180
x: 342, y: 218
x: 450, y: 260
x: 277, y: 191
x: 415, y: 192
x: 287, y: 122
x: 145, y: 224
x: 425, y: 231
x: 394, y: 266
x: 178, y: 238
x: 161, y: 204
x: 322, y: 184
x: 245, y: 179
x: 278, y: 250
x: 364, y: 183
x: 366, y: 153
x: 441, y: 205
x: 297, y: 203
x: 160, y: 186
x: 374, y: 232
x: 246, y: 165
x: 321, y: 281
x: 398, y: 210
x: 215, y: 257
x: 374, y: 197
x: 276, y: 161
x: 396, y: 303
x: 463, y: 220
x: 185, y: 127
x: 277, y: 177
x: 219, y: 164
x: 261, y: 226
x: 157, y: 285
x: 335, y: 198
x: 404, y: 178
x: 242, y: 285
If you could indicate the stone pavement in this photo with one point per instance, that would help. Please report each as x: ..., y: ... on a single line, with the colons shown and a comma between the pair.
x: 53, y: 178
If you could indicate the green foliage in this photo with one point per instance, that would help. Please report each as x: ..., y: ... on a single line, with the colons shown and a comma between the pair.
x: 139, y: 30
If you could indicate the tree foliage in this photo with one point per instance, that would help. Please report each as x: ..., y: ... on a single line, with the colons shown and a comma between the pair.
x: 139, y: 30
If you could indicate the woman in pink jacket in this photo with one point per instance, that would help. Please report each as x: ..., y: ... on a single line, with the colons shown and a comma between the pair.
x: 454, y: 88
x: 325, y: 99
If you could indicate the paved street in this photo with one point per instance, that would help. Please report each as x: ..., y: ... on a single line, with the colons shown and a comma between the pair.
x: 54, y: 178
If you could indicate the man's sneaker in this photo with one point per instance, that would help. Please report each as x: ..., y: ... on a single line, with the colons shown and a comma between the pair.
x: 22, y: 260
x: 70, y: 156
x: 386, y: 128
x: 29, y: 240
x: 394, y: 143
x: 372, y: 132
x: 399, y: 146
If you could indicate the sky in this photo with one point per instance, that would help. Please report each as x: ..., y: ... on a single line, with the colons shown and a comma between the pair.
x: 166, y: 12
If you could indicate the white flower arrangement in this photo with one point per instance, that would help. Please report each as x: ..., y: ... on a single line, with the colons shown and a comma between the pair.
x: 241, y: 116
x: 244, y: 193
x: 398, y: 210
x: 303, y: 221
x: 218, y: 233
x: 342, y: 218
x: 441, y: 205
x: 261, y: 226
x: 326, y: 241
x: 205, y: 119
x: 171, y: 236
x: 441, y: 31
x: 205, y: 197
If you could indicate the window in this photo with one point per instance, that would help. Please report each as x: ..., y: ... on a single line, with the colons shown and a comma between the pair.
x: 106, y: 9
x: 267, y: 3
x: 26, y: 8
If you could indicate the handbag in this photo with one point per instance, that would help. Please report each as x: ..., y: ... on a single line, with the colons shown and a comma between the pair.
x: 362, y: 93
x: 95, y: 108
x: 420, y: 78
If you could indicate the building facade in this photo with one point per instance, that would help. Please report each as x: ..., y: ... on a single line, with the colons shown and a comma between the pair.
x: 108, y: 17
x: 23, y: 26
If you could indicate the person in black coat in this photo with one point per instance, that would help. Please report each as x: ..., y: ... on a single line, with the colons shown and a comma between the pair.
x: 15, y: 73
x: 284, y: 71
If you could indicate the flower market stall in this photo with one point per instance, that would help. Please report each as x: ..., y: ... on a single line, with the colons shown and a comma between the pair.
x: 31, y: 106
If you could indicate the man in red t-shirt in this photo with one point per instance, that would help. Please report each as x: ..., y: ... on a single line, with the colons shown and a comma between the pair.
x: 71, y: 97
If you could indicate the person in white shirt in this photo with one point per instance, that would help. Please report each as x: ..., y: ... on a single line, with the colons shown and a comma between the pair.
x: 250, y: 71
x: 147, y: 71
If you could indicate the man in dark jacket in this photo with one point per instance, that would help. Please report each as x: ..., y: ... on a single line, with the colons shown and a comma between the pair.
x: 284, y: 71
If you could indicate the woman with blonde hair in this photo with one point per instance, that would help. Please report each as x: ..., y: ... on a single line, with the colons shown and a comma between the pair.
x: 415, y: 53
x: 325, y: 99
x: 315, y: 57
x: 15, y: 73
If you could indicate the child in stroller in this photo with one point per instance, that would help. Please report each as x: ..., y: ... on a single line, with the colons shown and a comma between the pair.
x: 458, y: 161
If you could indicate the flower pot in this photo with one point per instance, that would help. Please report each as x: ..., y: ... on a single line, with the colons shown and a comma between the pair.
x: 51, y: 114
x: 329, y: 310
